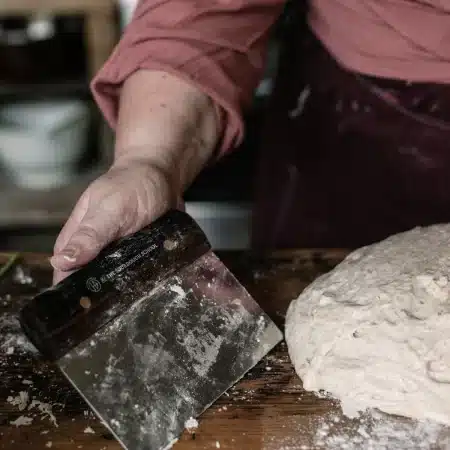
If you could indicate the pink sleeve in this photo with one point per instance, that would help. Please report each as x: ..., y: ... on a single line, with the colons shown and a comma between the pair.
x: 219, y: 45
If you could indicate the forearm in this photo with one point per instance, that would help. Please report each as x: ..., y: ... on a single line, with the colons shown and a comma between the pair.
x: 167, y: 122
x: 218, y: 46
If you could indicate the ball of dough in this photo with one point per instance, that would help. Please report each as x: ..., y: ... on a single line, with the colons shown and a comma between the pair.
x: 375, y: 331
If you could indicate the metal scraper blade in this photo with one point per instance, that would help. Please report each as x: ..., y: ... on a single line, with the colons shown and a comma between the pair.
x: 168, y: 356
x: 172, y: 354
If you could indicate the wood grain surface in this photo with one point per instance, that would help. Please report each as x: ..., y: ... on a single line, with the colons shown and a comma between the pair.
x: 267, y: 410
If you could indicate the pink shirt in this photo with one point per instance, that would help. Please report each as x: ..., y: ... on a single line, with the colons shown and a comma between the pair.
x: 219, y: 45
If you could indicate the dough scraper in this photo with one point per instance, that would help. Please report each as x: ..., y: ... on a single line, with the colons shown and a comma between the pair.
x: 152, y: 331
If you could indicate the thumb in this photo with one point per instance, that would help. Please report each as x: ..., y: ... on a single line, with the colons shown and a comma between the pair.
x: 95, y: 231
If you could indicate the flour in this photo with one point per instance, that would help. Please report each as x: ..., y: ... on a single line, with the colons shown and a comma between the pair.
x: 375, y: 331
x: 371, y: 430
x: 377, y: 431
x: 20, y: 277
x: 45, y: 409
x: 191, y: 424
x: 21, y: 400
x: 22, y: 421
x: 202, y: 349
x: 12, y: 339
x: 301, y: 102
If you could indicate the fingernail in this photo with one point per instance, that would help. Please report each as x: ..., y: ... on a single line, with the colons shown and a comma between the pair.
x: 70, y: 254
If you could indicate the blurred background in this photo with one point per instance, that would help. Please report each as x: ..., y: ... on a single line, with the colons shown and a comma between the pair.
x: 53, y: 141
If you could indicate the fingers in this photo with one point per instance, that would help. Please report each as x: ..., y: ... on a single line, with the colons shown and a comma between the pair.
x: 95, y: 231
x: 117, y: 204
x: 59, y: 275
x: 180, y: 205
x: 72, y: 223
x: 89, y: 228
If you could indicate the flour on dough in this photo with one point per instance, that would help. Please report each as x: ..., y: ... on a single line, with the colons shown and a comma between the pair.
x: 375, y: 331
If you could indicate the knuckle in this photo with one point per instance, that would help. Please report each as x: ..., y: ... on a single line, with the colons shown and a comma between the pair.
x: 88, y: 232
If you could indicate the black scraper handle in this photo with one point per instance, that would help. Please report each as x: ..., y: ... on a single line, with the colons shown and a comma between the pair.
x: 65, y: 315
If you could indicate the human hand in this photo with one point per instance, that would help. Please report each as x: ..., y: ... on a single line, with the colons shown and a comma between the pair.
x: 166, y: 132
x: 128, y: 197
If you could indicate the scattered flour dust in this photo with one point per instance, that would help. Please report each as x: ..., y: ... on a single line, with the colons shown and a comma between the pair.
x: 89, y: 430
x: 377, y: 431
x: 21, y: 400
x: 42, y: 408
x: 45, y: 410
x: 22, y: 421
x: 191, y: 424
x: 21, y: 277
x: 12, y: 339
x: 371, y: 430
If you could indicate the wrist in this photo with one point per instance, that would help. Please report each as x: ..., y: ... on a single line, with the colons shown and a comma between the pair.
x: 167, y: 122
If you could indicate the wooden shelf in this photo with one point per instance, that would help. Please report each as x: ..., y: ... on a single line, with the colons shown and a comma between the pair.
x: 12, y: 7
x: 101, y: 33
x: 23, y: 207
x: 34, y: 91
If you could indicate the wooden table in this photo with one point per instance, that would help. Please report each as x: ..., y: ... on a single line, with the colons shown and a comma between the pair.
x: 267, y: 410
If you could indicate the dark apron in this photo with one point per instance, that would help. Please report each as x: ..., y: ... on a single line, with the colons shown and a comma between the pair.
x: 349, y: 159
